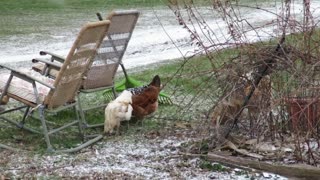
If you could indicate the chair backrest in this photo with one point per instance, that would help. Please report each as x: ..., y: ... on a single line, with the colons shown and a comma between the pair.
x: 112, y: 49
x: 77, y: 63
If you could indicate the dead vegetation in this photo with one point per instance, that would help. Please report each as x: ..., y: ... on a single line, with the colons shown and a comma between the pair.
x: 266, y: 77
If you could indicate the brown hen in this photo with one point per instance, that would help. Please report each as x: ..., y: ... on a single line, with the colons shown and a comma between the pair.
x: 145, y: 98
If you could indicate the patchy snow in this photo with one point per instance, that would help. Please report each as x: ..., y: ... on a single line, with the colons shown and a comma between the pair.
x: 134, y: 157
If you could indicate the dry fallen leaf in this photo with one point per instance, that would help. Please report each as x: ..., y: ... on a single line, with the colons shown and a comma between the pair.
x: 182, y: 125
x: 265, y: 147
x: 243, y: 151
x: 251, y: 142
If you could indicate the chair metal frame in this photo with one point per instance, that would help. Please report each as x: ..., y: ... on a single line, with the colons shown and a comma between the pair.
x: 61, y: 92
x: 109, y: 41
x: 112, y: 50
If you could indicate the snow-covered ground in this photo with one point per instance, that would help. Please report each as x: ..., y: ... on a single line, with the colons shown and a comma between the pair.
x: 153, y: 38
x: 137, y: 157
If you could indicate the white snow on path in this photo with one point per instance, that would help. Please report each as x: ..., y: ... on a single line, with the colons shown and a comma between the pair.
x: 149, y: 43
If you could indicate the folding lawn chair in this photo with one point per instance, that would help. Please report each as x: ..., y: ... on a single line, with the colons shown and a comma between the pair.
x: 47, y: 95
x: 102, y: 72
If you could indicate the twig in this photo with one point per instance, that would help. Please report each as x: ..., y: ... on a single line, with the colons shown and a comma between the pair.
x: 260, y: 74
x: 9, y: 148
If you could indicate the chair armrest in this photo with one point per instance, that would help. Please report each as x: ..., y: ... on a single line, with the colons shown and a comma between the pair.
x: 53, y: 56
x: 48, y: 63
x: 26, y: 77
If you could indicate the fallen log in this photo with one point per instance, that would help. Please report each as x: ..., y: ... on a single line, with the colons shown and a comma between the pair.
x: 294, y: 171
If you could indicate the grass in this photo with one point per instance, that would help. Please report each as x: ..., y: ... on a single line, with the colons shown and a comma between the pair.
x: 48, y: 16
x: 189, y: 77
x: 26, y: 17
x: 19, y: 17
x: 66, y: 139
x: 185, y: 84
x: 36, y: 16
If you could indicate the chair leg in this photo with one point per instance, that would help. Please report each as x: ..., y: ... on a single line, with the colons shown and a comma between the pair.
x: 83, y: 124
x: 80, y: 111
x: 45, y: 129
x: 80, y: 123
x: 24, y: 117
x: 114, y: 92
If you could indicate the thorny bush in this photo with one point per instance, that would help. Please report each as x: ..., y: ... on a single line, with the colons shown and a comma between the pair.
x: 264, y: 76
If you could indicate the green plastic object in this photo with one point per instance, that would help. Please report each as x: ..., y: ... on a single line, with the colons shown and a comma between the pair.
x: 130, y: 82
